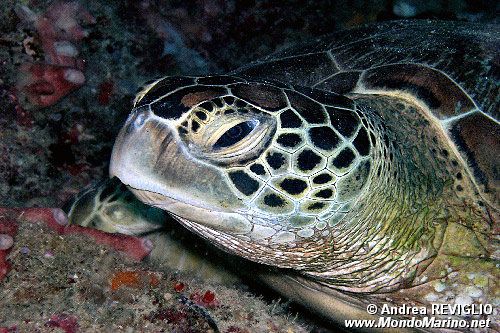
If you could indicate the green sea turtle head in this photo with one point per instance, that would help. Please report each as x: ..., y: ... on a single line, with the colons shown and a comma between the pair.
x: 347, y: 190
x: 259, y: 167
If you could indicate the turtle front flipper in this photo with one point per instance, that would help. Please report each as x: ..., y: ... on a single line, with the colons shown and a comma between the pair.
x: 109, y: 206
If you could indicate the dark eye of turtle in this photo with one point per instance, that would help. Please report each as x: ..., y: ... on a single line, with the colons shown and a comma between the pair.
x: 235, y: 134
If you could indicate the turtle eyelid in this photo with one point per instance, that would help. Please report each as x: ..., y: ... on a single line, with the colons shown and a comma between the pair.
x: 235, y: 134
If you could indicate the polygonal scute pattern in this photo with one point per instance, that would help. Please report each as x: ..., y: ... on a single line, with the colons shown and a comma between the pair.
x: 315, y: 207
x: 259, y: 169
x: 173, y: 106
x: 229, y: 100
x: 290, y: 119
x: 322, y: 178
x: 271, y: 201
x: 341, y: 83
x: 477, y: 138
x: 244, y: 182
x: 308, y: 109
x: 218, y: 80
x: 351, y: 185
x: 362, y: 142
x: 342, y: 162
x: 265, y: 96
x: 324, y: 193
x: 201, y: 115
x: 327, y: 97
x: 441, y: 94
x: 344, y: 121
x: 164, y: 87
x: 195, y: 125
x: 278, y: 161
x: 307, y: 161
x: 336, y: 219
x: 290, y: 141
x: 209, y: 106
x: 292, y: 185
x: 301, y: 220
x: 302, y: 70
x: 324, y: 138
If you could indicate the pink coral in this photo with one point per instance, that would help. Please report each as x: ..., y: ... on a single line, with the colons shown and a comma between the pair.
x: 55, y: 218
x: 43, y: 84
x: 8, y: 230
x: 136, y: 248
x: 66, y: 322
x: 58, y: 28
x: 206, y: 299
x: 10, y: 329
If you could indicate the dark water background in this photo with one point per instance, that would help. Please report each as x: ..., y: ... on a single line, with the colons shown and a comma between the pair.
x: 47, y: 154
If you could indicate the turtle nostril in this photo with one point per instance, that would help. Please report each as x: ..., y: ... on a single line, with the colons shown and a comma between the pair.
x: 136, y: 120
x: 139, y: 116
x: 139, y: 120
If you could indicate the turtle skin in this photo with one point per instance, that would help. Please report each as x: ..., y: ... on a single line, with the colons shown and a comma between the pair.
x: 387, y: 135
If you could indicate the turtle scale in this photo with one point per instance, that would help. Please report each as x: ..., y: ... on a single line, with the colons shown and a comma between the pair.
x: 440, y: 64
x: 445, y: 46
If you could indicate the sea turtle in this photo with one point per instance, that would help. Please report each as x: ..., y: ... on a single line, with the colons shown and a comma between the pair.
x: 364, y: 165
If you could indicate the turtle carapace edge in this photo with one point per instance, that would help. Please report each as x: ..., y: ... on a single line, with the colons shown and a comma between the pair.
x: 365, y: 162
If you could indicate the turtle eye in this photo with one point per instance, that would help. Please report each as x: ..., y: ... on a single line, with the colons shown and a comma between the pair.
x: 235, y: 134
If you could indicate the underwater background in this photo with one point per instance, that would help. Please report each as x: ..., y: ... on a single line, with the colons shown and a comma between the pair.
x: 68, y: 74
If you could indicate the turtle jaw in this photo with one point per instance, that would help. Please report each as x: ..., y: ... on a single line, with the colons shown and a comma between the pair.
x: 226, y: 222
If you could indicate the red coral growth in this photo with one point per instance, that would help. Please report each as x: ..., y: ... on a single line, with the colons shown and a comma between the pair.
x: 207, y: 300
x: 134, y: 279
x: 134, y: 247
x: 11, y: 329
x: 68, y: 323
x: 44, y: 84
x: 8, y: 227
x: 56, y: 219
x: 179, y: 286
x: 128, y: 279
x: 208, y: 297
x: 60, y: 26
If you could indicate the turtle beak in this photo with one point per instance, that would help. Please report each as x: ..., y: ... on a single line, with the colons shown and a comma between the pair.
x: 151, y: 160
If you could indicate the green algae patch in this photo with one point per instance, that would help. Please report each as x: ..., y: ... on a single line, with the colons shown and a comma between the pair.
x: 461, y: 241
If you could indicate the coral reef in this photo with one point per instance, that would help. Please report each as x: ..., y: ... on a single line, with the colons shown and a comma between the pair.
x: 73, y: 279
x: 45, y: 84
x: 58, y: 29
x: 56, y: 219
